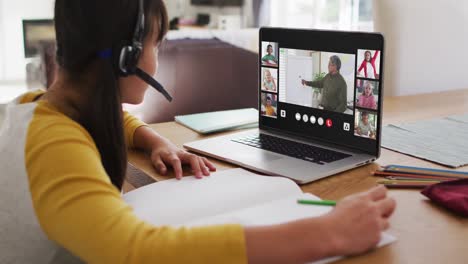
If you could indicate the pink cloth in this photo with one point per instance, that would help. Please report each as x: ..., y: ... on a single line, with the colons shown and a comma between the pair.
x: 367, y: 101
x: 452, y: 195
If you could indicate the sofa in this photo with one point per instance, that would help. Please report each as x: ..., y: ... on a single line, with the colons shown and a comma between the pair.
x: 202, y: 75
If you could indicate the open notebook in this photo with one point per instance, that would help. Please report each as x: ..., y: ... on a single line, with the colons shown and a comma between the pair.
x: 228, y: 196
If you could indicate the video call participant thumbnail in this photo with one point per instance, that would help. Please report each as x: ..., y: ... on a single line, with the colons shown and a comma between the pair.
x: 365, y: 125
x: 269, y: 59
x: 269, y: 104
x: 367, y: 99
x: 368, y: 67
x: 334, y: 87
x: 269, y: 80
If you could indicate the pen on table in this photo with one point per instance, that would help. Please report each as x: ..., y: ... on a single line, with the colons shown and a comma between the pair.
x: 442, y: 177
x: 405, y: 186
x: 426, y: 171
x: 317, y: 202
x: 406, y: 181
x: 393, y: 178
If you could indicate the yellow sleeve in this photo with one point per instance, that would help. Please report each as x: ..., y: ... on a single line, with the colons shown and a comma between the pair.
x: 131, y: 124
x: 79, y: 208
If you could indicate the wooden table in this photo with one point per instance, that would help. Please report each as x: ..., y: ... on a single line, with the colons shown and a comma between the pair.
x: 425, y: 232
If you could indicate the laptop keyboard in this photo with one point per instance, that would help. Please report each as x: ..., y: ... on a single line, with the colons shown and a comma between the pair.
x: 291, y: 148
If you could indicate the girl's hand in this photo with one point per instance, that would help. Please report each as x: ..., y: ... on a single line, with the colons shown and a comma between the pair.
x: 357, y: 221
x: 167, y: 154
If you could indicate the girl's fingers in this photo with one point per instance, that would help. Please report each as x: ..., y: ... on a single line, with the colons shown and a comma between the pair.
x: 386, y: 207
x: 203, y: 167
x: 377, y: 193
x: 159, y: 165
x: 208, y: 164
x: 176, y: 164
x: 191, y: 159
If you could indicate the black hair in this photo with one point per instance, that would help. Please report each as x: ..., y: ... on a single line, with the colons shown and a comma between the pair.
x: 84, y: 28
x: 269, y: 46
x: 370, y: 55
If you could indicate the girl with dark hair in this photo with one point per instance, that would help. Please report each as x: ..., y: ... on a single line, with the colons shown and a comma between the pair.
x: 64, y: 170
x: 368, y: 65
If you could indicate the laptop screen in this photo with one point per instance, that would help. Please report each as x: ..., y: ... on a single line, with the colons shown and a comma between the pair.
x: 324, y: 85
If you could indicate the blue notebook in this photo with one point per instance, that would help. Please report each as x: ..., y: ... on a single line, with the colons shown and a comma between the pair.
x: 211, y: 122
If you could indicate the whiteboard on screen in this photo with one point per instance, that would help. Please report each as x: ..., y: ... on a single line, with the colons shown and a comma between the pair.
x: 299, y: 68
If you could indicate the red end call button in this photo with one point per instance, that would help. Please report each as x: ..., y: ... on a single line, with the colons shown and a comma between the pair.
x: 329, y: 123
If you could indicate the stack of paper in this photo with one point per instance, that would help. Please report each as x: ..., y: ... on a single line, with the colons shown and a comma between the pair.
x: 442, y: 140
x: 220, y: 121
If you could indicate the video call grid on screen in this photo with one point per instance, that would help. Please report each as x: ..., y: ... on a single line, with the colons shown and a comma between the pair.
x: 313, y: 50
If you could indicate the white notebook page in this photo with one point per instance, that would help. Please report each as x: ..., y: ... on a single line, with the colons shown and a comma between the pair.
x: 174, y: 202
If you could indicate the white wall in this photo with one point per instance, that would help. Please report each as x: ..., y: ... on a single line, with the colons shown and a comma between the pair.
x: 11, y: 16
x: 178, y: 8
x: 426, y: 45
x: 2, y: 51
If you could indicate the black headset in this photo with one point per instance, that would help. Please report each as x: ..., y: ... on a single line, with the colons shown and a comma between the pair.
x: 129, y: 55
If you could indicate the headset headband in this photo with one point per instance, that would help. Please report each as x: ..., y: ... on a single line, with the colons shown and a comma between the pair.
x: 140, y: 25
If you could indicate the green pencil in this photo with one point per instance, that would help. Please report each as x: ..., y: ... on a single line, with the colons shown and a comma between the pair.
x: 317, y: 202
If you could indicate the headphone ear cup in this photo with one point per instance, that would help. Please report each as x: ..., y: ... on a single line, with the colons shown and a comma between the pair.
x: 125, y: 60
x: 128, y: 60
x: 122, y: 63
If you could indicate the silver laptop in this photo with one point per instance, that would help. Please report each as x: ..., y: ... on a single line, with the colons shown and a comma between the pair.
x: 320, y: 106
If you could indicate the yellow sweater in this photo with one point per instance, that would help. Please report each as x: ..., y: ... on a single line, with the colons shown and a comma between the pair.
x: 77, y: 206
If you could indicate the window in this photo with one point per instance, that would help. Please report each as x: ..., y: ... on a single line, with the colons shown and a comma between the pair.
x: 2, y: 49
x: 323, y: 14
